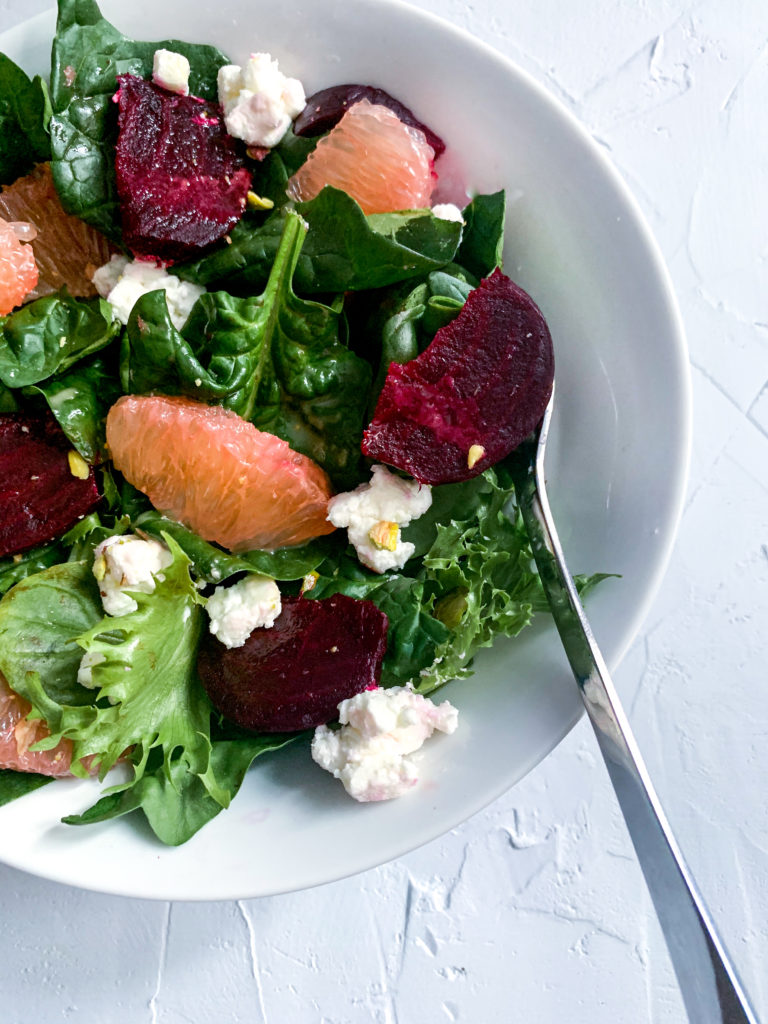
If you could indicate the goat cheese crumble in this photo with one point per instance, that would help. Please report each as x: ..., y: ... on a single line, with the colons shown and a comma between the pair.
x: 380, y: 729
x: 259, y: 101
x: 122, y: 282
x: 373, y: 514
x: 127, y: 563
x: 170, y: 70
x: 448, y: 211
x: 236, y: 611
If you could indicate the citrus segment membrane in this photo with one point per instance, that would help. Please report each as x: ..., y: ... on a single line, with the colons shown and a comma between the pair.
x: 216, y: 473
x: 66, y: 249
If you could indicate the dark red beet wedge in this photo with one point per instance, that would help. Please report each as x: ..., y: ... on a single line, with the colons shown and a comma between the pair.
x: 39, y: 497
x: 181, y: 178
x: 293, y: 675
x: 326, y: 108
x: 473, y: 395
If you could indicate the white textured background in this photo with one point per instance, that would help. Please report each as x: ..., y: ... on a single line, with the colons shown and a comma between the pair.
x: 534, y: 911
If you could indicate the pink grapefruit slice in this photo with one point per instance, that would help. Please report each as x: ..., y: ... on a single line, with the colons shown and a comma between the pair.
x: 215, y: 472
x: 383, y: 163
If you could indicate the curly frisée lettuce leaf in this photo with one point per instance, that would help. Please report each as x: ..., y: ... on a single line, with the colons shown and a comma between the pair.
x: 471, y: 579
x: 485, y: 585
x: 148, y: 694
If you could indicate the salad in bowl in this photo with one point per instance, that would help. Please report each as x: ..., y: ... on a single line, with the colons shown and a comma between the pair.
x: 260, y: 374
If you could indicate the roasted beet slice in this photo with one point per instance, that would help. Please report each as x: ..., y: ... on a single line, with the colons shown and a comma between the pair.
x: 473, y: 395
x: 180, y: 177
x: 326, y: 108
x: 39, y: 496
x: 293, y: 675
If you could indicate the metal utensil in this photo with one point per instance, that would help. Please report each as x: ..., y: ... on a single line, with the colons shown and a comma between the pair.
x: 709, y: 984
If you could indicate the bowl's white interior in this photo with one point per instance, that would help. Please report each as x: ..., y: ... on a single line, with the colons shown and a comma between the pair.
x: 576, y: 242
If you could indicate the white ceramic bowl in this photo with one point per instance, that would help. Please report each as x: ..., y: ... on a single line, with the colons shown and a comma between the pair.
x: 577, y: 243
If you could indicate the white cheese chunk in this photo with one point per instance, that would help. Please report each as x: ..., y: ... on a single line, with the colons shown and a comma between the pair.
x: 127, y: 563
x: 122, y: 282
x: 373, y: 509
x: 236, y: 611
x: 380, y: 729
x: 259, y: 101
x: 448, y: 211
x: 85, y: 669
x: 170, y: 70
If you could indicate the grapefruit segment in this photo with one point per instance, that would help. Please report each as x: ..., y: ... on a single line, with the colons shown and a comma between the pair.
x: 373, y: 156
x: 216, y: 473
x: 18, y: 270
x: 66, y: 249
x: 17, y: 735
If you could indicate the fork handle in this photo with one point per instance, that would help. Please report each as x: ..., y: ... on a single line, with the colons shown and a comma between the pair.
x: 709, y: 984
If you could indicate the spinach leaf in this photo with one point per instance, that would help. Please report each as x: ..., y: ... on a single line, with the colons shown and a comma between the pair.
x: 40, y: 619
x: 24, y: 114
x: 15, y: 784
x: 14, y: 568
x: 175, y: 801
x: 8, y: 401
x: 50, y: 334
x: 215, y: 565
x: 88, y: 55
x: 344, y: 250
x: 275, y: 359
x: 80, y: 401
x: 483, y: 240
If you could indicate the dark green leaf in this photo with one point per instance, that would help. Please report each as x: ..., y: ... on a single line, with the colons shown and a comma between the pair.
x: 24, y: 115
x: 344, y: 250
x: 483, y: 240
x: 274, y: 359
x: 40, y: 619
x: 50, y: 334
x: 16, y: 784
x: 80, y: 401
x: 175, y: 802
x: 215, y: 565
x: 17, y: 567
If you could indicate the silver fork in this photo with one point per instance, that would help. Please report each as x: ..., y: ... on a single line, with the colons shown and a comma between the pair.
x: 709, y: 984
